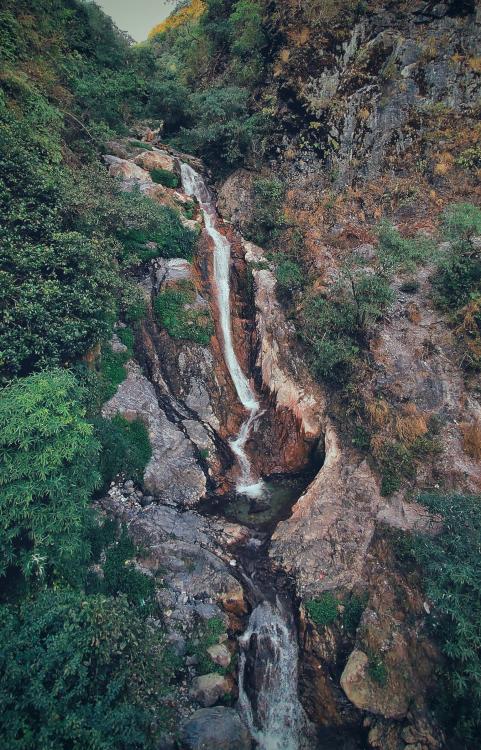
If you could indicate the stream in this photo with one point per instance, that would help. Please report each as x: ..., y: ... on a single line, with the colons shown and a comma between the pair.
x: 268, y: 665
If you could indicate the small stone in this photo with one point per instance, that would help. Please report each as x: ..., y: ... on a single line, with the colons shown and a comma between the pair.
x: 191, y: 660
x: 218, y: 728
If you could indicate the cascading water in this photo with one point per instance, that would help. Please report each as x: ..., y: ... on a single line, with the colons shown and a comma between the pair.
x: 269, y: 652
x: 271, y: 707
x: 194, y: 185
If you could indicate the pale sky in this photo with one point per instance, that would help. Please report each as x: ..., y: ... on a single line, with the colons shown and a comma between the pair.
x: 137, y: 17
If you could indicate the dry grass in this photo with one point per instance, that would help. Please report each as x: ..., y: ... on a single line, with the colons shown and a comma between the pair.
x: 471, y: 432
x: 379, y: 412
x: 410, y: 425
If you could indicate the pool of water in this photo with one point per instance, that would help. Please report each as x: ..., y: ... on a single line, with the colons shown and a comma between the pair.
x: 274, y: 506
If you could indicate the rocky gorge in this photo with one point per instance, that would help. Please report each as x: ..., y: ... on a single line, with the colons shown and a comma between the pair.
x: 240, y: 346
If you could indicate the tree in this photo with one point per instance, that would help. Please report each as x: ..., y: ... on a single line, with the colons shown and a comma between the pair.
x: 80, y: 672
x: 450, y: 566
x: 48, y: 471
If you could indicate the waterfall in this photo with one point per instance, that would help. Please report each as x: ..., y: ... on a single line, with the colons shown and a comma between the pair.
x: 194, y: 185
x: 271, y: 707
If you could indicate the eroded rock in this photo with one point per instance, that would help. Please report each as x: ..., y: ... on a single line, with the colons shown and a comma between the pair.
x: 173, y: 473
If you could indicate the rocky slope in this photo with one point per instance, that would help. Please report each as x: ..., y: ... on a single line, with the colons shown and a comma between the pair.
x: 374, y: 118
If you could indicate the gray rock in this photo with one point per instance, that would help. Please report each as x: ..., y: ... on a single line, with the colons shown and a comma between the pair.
x: 220, y: 655
x: 216, y: 728
x: 172, y: 473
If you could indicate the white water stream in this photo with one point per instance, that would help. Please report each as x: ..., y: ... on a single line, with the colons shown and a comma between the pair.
x: 268, y: 682
x: 194, y: 185
x: 273, y: 714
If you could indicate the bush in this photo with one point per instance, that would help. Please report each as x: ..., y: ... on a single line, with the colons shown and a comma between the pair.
x: 290, y: 277
x: 458, y: 277
x: 450, y: 565
x: 81, y: 671
x: 267, y: 217
x: 323, y: 611
x: 354, y: 607
x: 125, y: 448
x: 164, y: 229
x: 112, y: 371
x: 402, y: 253
x: 175, y: 311
x: 121, y: 577
x: 377, y: 669
x: 224, y: 128
x: 164, y: 177
x: 336, y: 328
x: 47, y: 474
x: 207, y: 634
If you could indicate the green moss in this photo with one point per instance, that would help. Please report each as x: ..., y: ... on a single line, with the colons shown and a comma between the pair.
x: 175, y: 311
x: 323, y: 611
x: 164, y: 177
x: 125, y: 448
x: 142, y: 145
x: 377, y: 670
x: 354, y: 606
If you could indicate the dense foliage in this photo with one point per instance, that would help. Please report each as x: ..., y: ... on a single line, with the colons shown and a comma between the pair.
x: 80, y: 664
x: 450, y: 566
x: 47, y: 474
x: 176, y: 309
x: 80, y: 672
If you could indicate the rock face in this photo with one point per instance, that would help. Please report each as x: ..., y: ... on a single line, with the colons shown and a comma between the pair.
x: 173, y: 473
x: 217, y: 728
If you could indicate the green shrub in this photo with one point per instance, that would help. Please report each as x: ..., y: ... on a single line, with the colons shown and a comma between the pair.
x: 112, y: 370
x: 458, y: 278
x: 396, y: 462
x: 450, y: 566
x: 470, y: 158
x: 377, y: 669
x: 175, y: 311
x: 267, y: 216
x: 323, y: 611
x: 125, y: 448
x: 223, y: 129
x: 164, y: 177
x: 290, y: 277
x: 207, y: 634
x: 81, y: 671
x: 141, y: 144
x: 170, y: 238
x: 354, y: 607
x: 402, y: 253
x: 336, y: 328
x: 48, y: 472
x: 120, y: 577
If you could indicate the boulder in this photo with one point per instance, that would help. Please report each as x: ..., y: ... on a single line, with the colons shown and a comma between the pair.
x: 209, y: 688
x: 126, y: 170
x: 220, y: 654
x: 216, y: 728
x: 150, y: 160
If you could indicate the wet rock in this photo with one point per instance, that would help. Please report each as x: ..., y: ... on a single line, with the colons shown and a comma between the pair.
x: 209, y: 688
x: 216, y: 728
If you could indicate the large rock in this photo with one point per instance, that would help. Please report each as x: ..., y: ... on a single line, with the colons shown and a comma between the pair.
x: 173, y: 473
x: 126, y: 170
x: 209, y: 688
x: 216, y: 728
x: 369, y: 695
x: 150, y: 160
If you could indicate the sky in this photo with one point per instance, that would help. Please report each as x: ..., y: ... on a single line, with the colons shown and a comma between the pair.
x: 137, y: 17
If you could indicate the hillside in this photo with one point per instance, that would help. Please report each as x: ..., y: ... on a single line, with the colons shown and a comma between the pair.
x: 240, y: 346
